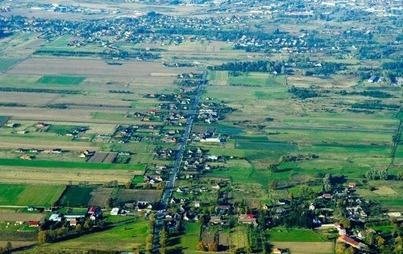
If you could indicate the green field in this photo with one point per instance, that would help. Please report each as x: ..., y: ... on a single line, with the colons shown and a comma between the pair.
x: 76, y: 196
x: 190, y: 240
x: 62, y: 129
x: 6, y: 63
x: 60, y: 80
x: 280, y: 234
x: 24, y: 195
x: 108, y: 116
x: 127, y: 237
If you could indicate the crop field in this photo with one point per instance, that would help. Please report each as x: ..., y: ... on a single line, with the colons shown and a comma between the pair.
x: 60, y: 80
x: 280, y: 234
x: 100, y: 197
x: 239, y: 237
x: 76, y: 196
x: 127, y: 195
x: 306, y: 248
x: 59, y: 175
x: 24, y: 195
x: 12, y: 216
x: 100, y: 157
x: 6, y: 63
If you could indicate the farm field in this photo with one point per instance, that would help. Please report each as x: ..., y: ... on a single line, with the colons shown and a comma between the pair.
x: 25, y: 195
x: 306, y: 248
x: 215, y: 122
x: 57, y: 175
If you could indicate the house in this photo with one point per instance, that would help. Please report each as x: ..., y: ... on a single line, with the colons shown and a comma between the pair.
x: 247, y: 219
x: 352, y: 185
x: 280, y: 251
x: 94, y: 211
x: 33, y: 224
x: 350, y: 241
x: 73, y: 222
x: 26, y: 157
x: 373, y: 79
x: 115, y: 211
x: 57, y: 150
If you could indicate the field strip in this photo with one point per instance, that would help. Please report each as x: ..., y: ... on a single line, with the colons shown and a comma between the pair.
x: 31, y: 175
x: 327, y: 129
x: 306, y: 247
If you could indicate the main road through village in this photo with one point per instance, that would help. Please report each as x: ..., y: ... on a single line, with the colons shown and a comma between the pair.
x: 170, y: 184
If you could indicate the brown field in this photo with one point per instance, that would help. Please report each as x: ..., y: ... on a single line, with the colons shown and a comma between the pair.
x: 93, y: 68
x: 100, y: 197
x: 13, y: 216
x: 103, y: 157
x: 63, y: 176
x: 306, y: 247
x: 18, y: 244
x: 125, y: 195
x: 20, y: 142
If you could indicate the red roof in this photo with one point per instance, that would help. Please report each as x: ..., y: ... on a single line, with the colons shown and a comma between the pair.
x: 33, y: 223
x: 249, y: 216
x: 92, y: 209
x: 349, y: 241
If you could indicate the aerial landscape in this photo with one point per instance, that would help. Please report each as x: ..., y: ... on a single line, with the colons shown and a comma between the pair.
x: 201, y: 126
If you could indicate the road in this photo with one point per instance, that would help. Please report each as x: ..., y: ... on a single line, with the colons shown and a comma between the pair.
x: 169, y: 188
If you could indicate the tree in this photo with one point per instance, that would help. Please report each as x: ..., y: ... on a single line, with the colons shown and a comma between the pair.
x: 273, y: 185
x: 43, y: 236
x: 380, y: 242
x: 8, y: 247
x: 212, y: 246
x: 201, y: 246
x: 163, y: 238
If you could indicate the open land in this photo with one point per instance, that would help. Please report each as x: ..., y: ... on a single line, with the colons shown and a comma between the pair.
x: 200, y: 119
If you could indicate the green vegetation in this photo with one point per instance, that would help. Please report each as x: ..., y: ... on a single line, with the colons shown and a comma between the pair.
x: 76, y: 196
x: 24, y: 194
x: 60, y: 80
x: 126, y: 237
x: 6, y: 63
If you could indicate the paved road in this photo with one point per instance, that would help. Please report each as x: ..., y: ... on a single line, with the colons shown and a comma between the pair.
x: 169, y: 188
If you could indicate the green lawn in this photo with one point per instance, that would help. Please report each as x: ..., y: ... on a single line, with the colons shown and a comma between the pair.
x: 60, y: 80
x: 23, y: 194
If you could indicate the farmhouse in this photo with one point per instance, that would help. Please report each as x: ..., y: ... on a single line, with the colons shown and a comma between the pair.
x: 26, y: 157
x: 350, y: 241
x: 247, y: 219
x: 33, y: 224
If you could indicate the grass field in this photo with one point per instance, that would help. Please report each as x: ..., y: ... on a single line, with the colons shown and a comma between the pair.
x: 189, y: 241
x: 24, y: 195
x: 127, y: 237
x: 60, y: 80
x: 62, y: 129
